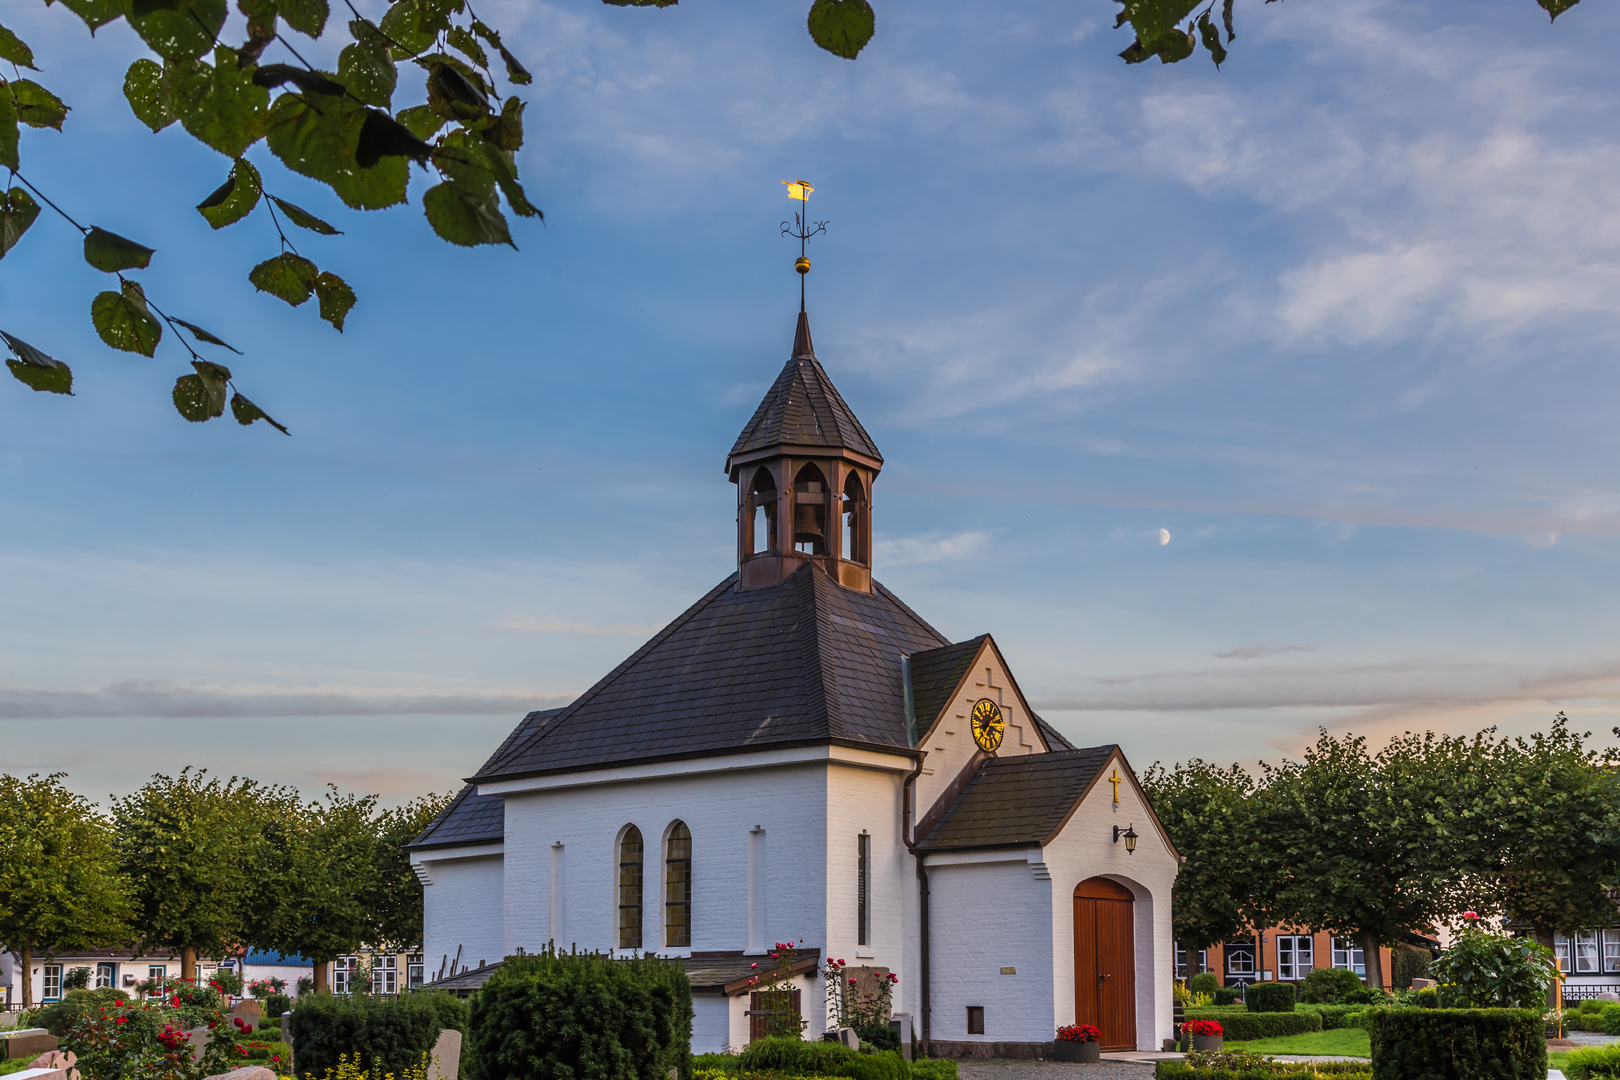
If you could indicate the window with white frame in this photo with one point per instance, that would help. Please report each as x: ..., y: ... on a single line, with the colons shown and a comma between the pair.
x: 1295, y: 956
x: 106, y: 975
x: 1240, y: 959
x: 1347, y: 954
x: 1586, y: 952
x: 384, y: 976
x: 1181, y: 961
x: 1611, y: 950
x: 413, y: 972
x: 1561, y: 951
x: 342, y: 968
x: 53, y: 982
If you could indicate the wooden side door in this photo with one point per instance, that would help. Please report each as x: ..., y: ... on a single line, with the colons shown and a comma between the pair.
x: 1105, y: 961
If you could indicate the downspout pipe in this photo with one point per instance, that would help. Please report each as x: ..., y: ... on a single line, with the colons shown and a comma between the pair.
x: 923, y: 1007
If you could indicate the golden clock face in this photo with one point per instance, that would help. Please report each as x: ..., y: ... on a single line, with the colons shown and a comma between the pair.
x: 988, y: 725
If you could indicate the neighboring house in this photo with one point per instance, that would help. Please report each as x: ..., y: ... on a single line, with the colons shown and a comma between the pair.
x: 267, y: 965
x: 1590, y: 962
x: 118, y: 967
x: 801, y: 757
x: 389, y: 972
x: 1285, y: 954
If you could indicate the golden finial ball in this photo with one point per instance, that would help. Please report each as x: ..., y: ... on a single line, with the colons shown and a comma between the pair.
x: 802, y: 265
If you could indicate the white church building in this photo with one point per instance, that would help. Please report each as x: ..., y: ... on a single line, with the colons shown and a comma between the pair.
x: 801, y: 757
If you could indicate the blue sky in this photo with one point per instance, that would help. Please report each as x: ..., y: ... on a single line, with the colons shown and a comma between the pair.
x: 1339, y: 317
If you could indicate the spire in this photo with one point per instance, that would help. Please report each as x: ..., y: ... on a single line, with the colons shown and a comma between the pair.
x: 802, y: 349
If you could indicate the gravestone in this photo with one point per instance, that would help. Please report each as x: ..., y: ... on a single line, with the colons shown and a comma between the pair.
x: 847, y: 1036
x: 1608, y: 996
x: 900, y: 1024
x: 198, y: 1038
x: 286, y: 1027
x: 1422, y: 984
x: 59, y: 1062
x: 445, y: 1062
x: 27, y: 1043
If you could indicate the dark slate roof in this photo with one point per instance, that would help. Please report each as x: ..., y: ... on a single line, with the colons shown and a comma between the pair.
x: 802, y: 662
x: 1018, y: 800
x: 729, y: 972
x: 1053, y: 739
x: 804, y: 408
x: 935, y: 674
x: 472, y: 818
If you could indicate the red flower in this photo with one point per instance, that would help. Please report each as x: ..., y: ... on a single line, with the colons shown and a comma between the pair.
x: 854, y: 982
x: 122, y: 1020
x: 1079, y: 1033
x: 120, y: 1004
x: 1203, y: 1027
x: 753, y: 965
x: 1470, y: 915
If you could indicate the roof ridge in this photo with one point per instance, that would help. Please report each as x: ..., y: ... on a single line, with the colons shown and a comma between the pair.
x: 903, y: 606
x: 817, y: 665
x: 607, y: 680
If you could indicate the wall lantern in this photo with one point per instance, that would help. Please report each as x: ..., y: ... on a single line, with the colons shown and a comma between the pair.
x: 1130, y: 838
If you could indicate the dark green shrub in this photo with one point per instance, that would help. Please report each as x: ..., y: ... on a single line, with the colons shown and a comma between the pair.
x: 796, y: 1057
x: 580, y: 1016
x: 1609, y: 1017
x: 933, y: 1069
x: 226, y: 981
x: 1339, y: 1070
x: 725, y: 1063
x: 1270, y: 997
x: 1228, y: 995
x: 57, y: 1017
x: 387, y: 1034
x: 1593, y: 1063
x: 1205, y: 982
x: 275, y: 1005
x: 1328, y: 986
x: 1458, y: 1044
x: 884, y: 1065
x: 879, y: 1036
x: 1333, y: 1016
x: 1408, y: 962
x: 1240, y: 1025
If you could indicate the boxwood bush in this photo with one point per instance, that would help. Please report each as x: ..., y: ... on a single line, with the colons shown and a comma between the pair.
x: 1270, y: 997
x: 794, y: 1057
x: 1205, y: 982
x: 1458, y: 1044
x: 1228, y: 995
x: 275, y: 1005
x: 1331, y: 986
x: 388, y: 1034
x: 580, y: 1016
x: 1241, y: 1065
x: 1241, y: 1025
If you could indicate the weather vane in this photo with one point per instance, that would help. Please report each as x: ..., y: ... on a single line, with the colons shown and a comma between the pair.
x: 802, y: 229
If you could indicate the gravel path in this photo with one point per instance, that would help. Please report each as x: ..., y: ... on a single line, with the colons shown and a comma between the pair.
x: 1024, y: 1069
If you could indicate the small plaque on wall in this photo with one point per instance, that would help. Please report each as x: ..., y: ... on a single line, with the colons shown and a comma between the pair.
x: 1009, y: 971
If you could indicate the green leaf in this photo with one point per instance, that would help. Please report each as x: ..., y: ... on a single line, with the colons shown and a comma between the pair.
x: 1170, y: 47
x: 1212, y: 40
x: 202, y: 335
x: 382, y: 136
x: 1556, y: 8
x: 1226, y: 20
x: 201, y: 396
x: 111, y: 253
x: 421, y: 121
x: 220, y: 105
x: 465, y: 215
x: 323, y: 146
x: 507, y: 130
x: 842, y: 27
x: 1153, y: 20
x: 146, y: 88
x: 414, y: 24
x: 461, y: 39
x: 336, y: 298
x: 33, y: 368
x: 8, y: 133
x: 122, y: 320
x: 261, y: 17
x: 13, y: 49
x: 95, y: 13
x: 235, y: 198
x: 287, y: 277
x: 183, y: 34
x: 36, y: 106
x: 504, y: 167
x: 304, y: 219
x: 246, y: 412
x: 515, y: 72
x: 455, y: 91
x: 367, y: 66
x: 17, y: 212
x: 305, y: 16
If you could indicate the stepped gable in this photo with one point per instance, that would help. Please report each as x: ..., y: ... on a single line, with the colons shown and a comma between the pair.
x: 801, y: 662
x: 472, y: 818
x: 804, y: 408
x: 1018, y: 800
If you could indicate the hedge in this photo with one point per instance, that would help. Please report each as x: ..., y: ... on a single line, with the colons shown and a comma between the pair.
x: 1241, y: 1025
x: 1593, y: 1063
x: 1332, y: 1015
x: 386, y: 1034
x: 1176, y: 1069
x: 580, y: 1016
x: 1228, y: 995
x: 1458, y: 1044
x: 795, y: 1057
x: 1270, y: 997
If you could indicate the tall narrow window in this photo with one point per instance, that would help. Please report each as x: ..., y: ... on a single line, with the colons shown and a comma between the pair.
x: 854, y: 512
x: 1560, y: 950
x: 762, y: 510
x: 1586, y: 952
x: 863, y: 887
x: 106, y: 975
x: 678, y: 887
x: 53, y: 982
x: 810, y: 511
x: 630, y: 889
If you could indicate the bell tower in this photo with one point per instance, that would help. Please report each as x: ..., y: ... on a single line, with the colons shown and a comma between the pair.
x: 804, y: 469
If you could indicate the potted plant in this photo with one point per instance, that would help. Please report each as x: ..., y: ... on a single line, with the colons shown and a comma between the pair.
x: 1206, y: 1034
x: 1077, y: 1042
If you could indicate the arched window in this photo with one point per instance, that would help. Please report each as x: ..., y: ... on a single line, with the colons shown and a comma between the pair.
x: 630, y: 889
x: 810, y: 511
x: 854, y: 519
x: 678, y: 887
x: 762, y: 510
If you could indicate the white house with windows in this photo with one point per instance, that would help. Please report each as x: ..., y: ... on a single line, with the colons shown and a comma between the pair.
x: 800, y: 757
x: 123, y: 968
x: 389, y: 972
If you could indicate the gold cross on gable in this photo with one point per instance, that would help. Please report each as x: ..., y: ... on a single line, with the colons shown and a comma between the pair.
x: 1115, y: 781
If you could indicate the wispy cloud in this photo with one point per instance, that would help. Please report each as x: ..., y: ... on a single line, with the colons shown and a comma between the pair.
x: 1254, y: 652
x: 213, y: 702
x: 929, y: 548
x: 565, y: 626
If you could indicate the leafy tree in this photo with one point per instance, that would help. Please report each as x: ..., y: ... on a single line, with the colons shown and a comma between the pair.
x: 60, y: 888
x: 190, y: 848
x: 1206, y: 810
x: 1365, y: 845
x: 395, y: 897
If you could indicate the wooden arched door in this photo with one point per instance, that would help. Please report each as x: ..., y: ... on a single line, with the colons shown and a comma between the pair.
x: 1105, y: 961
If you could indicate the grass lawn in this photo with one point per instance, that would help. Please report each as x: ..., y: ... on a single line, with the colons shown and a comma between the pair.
x: 1344, y: 1042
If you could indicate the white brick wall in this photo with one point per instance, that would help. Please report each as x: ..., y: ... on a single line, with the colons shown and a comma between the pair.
x: 461, y: 909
